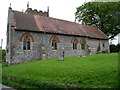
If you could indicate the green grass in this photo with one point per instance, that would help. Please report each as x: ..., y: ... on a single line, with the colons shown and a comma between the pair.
x: 95, y: 71
x: 0, y: 73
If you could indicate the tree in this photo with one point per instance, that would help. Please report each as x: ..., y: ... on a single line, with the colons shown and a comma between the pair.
x: 103, y: 15
x: 114, y: 48
x: 4, y: 55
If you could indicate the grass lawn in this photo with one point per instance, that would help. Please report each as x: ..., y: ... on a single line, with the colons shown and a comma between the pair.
x: 0, y: 73
x: 95, y: 71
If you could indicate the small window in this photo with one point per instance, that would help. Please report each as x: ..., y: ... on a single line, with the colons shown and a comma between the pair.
x: 103, y: 44
x: 26, y: 43
x: 82, y: 46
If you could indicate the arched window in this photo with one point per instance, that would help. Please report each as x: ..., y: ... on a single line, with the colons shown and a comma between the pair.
x: 54, y: 42
x: 26, y: 38
x: 83, y: 43
x: 26, y: 43
x: 74, y: 41
x: 74, y: 46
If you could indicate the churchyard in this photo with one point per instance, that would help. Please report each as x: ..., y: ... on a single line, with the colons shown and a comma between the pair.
x: 94, y: 71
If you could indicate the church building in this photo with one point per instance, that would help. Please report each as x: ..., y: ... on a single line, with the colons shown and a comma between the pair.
x: 33, y: 35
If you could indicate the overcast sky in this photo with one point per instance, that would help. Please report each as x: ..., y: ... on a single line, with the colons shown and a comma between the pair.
x: 62, y: 9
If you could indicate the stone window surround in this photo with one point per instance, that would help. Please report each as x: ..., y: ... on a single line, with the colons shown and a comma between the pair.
x: 26, y: 43
x: 56, y: 41
x: 31, y: 40
x: 51, y: 37
x: 82, y: 46
x: 54, y: 44
x: 31, y: 45
x: 74, y: 42
x: 83, y: 43
x: 24, y: 34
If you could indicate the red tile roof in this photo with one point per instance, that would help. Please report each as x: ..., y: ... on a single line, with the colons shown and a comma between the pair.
x: 38, y: 23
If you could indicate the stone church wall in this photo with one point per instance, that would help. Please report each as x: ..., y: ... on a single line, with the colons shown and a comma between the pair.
x: 19, y: 55
x: 94, y: 44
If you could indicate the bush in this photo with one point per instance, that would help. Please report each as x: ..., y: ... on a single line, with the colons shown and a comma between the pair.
x: 114, y: 48
x: 4, y: 55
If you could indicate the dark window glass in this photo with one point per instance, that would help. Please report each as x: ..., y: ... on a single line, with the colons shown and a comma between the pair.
x: 103, y: 45
x: 82, y: 46
x: 74, y: 46
x: 26, y: 43
x: 54, y: 45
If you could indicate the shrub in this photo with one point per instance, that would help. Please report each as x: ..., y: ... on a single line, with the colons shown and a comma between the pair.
x: 3, y: 55
x: 114, y: 48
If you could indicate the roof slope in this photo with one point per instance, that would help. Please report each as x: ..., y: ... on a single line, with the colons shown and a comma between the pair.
x: 25, y: 21
x: 30, y: 22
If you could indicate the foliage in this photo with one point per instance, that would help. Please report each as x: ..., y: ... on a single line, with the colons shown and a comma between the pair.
x: 95, y: 71
x: 0, y: 72
x: 103, y: 15
x: 3, y: 55
x: 114, y: 48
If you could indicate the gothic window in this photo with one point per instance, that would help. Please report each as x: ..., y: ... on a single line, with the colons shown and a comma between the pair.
x: 74, y: 46
x: 83, y: 43
x: 54, y: 42
x: 26, y: 39
x: 26, y: 43
x: 74, y: 42
x: 82, y: 46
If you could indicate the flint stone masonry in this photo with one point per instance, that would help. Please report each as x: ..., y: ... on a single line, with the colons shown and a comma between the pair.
x: 20, y: 55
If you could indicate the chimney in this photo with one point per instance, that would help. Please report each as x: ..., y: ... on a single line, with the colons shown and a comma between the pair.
x: 27, y: 4
x: 48, y: 11
x: 10, y: 6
